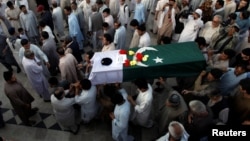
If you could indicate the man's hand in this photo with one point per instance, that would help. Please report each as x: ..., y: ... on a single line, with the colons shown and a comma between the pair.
x: 185, y: 92
x: 111, y: 115
x: 47, y: 64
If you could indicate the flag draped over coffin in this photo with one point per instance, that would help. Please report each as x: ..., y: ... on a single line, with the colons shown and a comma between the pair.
x: 173, y: 60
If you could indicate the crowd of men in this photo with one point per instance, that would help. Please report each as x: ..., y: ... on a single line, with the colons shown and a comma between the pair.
x: 50, y: 43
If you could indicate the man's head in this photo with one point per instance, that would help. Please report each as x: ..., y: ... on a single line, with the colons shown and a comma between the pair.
x: 141, y: 29
x: 25, y: 44
x: 214, y: 74
x: 134, y: 24
x: 107, y: 39
x: 105, y: 26
x: 201, y: 41
x: 40, y: 9
x: 117, y: 24
x: 23, y: 9
x: 243, y: 3
x: 59, y: 93
x: 217, y: 19
x: 233, y: 29
x: 10, y: 4
x: 141, y: 84
x: 67, y: 10
x: 197, y: 107
x: 240, y: 69
x: 185, y: 2
x: 122, y: 2
x: 9, y: 77
x: 42, y: 24
x: 45, y: 35
x: 227, y: 54
x: 94, y: 8
x: 60, y: 51
x: 219, y: 4
x: 245, y: 86
x: 244, y: 15
x: 74, y: 5
x: 85, y: 84
x: 54, y: 4
x: 165, y: 40
x: 171, y: 3
x: 11, y: 31
x: 99, y: 3
x: 53, y: 81
x: 106, y: 12
x: 88, y: 56
x: 117, y: 98
x: 176, y: 130
x: 173, y: 100
x: 67, y: 39
x: 197, y: 14
x: 245, y: 54
x: 29, y: 54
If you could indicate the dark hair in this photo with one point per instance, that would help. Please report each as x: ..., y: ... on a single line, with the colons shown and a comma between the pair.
x: 42, y: 23
x: 245, y: 14
x: 245, y: 85
x: 45, y: 34
x: 11, y: 30
x: 108, y: 37
x: 24, y: 42
x: 86, y: 84
x: 141, y: 83
x: 59, y: 93
x: 117, y: 98
x: 105, y: 24
x: 106, y: 10
x: 68, y: 39
x: 242, y: 65
x: 134, y: 22
x: 7, y: 75
x: 60, y: 51
x: 109, y: 90
x: 68, y: 8
x: 221, y: 2
x: 20, y: 29
x: 233, y: 16
x: 166, y: 40
x: 99, y: 2
x: 54, y: 4
x: 53, y: 81
x: 21, y: 7
x: 201, y: 41
x: 9, y: 4
x: 230, y: 53
x: 142, y: 27
x: 74, y: 3
x: 91, y: 54
x: 216, y: 73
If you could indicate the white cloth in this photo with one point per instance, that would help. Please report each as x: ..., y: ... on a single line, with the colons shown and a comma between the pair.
x: 191, y: 29
x: 114, y: 6
x: 89, y: 106
x: 36, y: 77
x: 101, y: 74
x: 22, y: 2
x: 143, y: 107
x: 145, y: 40
x: 120, y: 38
x: 29, y: 23
x: 64, y: 111
x: 57, y: 16
x: 208, y: 31
x: 87, y: 10
x: 49, y: 31
x: 123, y: 16
x: 110, y: 20
x: 120, y: 123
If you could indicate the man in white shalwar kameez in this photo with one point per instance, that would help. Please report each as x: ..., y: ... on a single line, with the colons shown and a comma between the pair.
x: 26, y: 45
x: 12, y: 14
x: 34, y: 71
x: 87, y: 99
x: 57, y: 16
x: 176, y: 132
x: 114, y: 7
x: 123, y: 14
x: 120, y: 118
x: 86, y: 6
x: 143, y: 104
x: 29, y: 24
x: 63, y: 110
x: 191, y: 27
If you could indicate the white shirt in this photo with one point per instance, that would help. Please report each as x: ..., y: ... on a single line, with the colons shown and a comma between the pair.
x: 145, y: 40
x: 110, y: 20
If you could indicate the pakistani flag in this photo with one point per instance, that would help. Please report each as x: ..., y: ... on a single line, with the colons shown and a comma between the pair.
x: 173, y: 60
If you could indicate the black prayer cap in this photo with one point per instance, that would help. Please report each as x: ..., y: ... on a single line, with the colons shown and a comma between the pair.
x: 11, y: 30
x: 246, y: 51
x: 106, y: 61
x: 174, y: 99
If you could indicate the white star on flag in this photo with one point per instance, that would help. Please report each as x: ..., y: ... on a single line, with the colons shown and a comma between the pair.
x: 158, y: 60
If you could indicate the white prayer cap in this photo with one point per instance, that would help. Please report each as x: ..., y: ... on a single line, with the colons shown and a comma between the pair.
x: 199, y: 12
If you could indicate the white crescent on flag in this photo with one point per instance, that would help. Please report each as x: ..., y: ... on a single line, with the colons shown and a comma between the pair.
x: 141, y: 50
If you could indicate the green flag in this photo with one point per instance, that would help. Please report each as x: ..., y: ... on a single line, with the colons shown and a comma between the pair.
x: 173, y: 60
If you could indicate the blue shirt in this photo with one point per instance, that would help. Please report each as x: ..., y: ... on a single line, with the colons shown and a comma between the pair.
x: 140, y: 13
